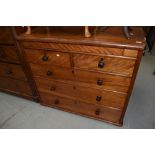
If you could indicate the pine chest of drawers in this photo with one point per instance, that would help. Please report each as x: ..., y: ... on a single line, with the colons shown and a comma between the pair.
x: 93, y: 77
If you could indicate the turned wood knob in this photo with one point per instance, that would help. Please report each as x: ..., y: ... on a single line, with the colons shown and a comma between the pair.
x: 98, y: 98
x: 101, y: 63
x: 49, y: 73
x: 45, y: 58
x: 53, y: 88
x: 99, y: 82
x: 56, y: 101
x: 28, y: 30
x: 8, y: 72
x: 97, y: 112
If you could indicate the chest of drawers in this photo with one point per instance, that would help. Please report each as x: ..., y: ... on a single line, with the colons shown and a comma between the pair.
x: 92, y: 77
x: 13, y: 78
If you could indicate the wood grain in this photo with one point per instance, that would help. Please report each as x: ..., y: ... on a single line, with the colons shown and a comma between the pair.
x: 54, y: 58
x: 111, y: 64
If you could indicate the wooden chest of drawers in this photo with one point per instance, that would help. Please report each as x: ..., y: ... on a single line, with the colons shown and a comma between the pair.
x: 93, y: 77
x: 12, y: 72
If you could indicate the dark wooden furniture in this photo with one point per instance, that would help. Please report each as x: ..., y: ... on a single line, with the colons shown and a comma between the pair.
x: 13, y: 78
x: 91, y: 76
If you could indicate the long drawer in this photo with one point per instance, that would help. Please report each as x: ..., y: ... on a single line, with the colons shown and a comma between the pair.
x: 11, y: 70
x: 17, y: 86
x: 9, y: 54
x: 95, y: 111
x: 48, y: 57
x: 106, y: 64
x: 84, y: 94
x: 81, y: 48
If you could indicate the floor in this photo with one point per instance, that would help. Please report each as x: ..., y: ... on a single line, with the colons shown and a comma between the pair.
x: 20, y: 113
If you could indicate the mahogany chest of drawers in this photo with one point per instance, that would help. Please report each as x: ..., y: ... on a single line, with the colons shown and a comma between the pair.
x: 92, y: 77
x: 13, y: 78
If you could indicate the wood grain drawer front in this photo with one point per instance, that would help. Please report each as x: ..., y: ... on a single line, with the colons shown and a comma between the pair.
x: 21, y: 87
x: 9, y: 54
x: 48, y: 57
x: 102, y: 113
x: 103, y: 80
x: 107, y: 64
x: 74, y: 48
x: 55, y: 87
x: 49, y: 71
x: 85, y: 94
x: 105, y: 98
x: 12, y: 71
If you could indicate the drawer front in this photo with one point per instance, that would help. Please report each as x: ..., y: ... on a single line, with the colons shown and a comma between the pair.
x: 12, y: 71
x: 74, y: 48
x: 16, y: 86
x: 8, y: 54
x: 55, y: 87
x: 103, y: 81
x: 85, y: 94
x: 98, y: 112
x: 48, y: 57
x: 52, y: 72
x: 107, y: 64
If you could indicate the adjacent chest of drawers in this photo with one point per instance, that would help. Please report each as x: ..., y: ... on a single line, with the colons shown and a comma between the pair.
x: 87, y: 79
x: 12, y: 75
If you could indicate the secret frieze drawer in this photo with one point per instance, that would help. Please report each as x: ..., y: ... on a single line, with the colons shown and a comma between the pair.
x: 73, y: 48
x: 81, y: 93
x: 89, y: 78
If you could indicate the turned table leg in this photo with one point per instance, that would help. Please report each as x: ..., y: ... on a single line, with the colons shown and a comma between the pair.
x: 87, y: 33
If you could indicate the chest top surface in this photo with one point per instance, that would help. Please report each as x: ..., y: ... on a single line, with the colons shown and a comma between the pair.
x: 112, y: 36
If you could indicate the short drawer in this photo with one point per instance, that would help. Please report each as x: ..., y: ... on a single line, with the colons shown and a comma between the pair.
x: 17, y: 86
x: 48, y: 57
x: 98, y: 112
x: 103, y: 80
x: 107, y: 64
x: 74, y: 48
x: 51, y: 72
x: 85, y: 94
x: 9, y: 54
x: 12, y: 71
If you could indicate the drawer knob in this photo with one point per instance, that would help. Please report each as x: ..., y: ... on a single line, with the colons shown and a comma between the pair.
x: 98, y: 98
x: 97, y: 112
x: 45, y: 58
x: 56, y: 101
x: 100, y: 82
x: 53, y: 88
x: 8, y: 72
x: 49, y: 73
x: 101, y: 63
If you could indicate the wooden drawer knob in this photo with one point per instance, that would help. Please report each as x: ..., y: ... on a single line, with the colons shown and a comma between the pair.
x: 56, y: 101
x: 45, y: 58
x: 97, y: 112
x: 99, y: 82
x: 53, y: 88
x: 49, y: 73
x: 98, y: 98
x: 101, y: 63
x: 8, y: 72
